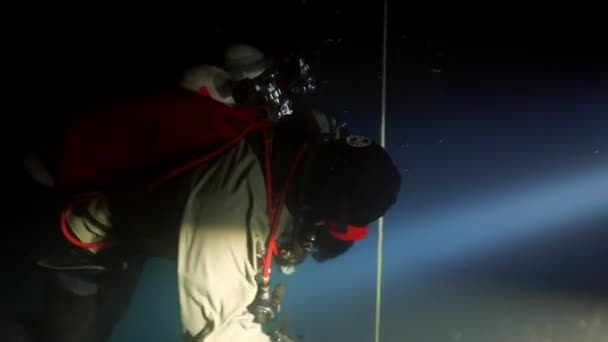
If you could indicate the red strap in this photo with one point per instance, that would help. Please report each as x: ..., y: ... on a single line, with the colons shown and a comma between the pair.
x: 65, y: 230
x: 208, y: 157
x: 134, y: 140
x: 275, y: 218
x: 347, y: 232
x: 268, y: 179
x: 204, y: 91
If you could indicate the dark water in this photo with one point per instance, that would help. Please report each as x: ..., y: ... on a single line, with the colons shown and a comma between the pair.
x: 500, y: 233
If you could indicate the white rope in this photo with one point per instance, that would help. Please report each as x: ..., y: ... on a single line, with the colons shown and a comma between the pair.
x: 384, y: 58
x: 383, y: 144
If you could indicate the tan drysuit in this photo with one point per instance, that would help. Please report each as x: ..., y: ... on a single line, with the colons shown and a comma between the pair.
x: 222, y: 233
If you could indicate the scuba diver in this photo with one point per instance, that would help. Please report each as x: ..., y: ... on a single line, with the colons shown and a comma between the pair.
x: 222, y: 183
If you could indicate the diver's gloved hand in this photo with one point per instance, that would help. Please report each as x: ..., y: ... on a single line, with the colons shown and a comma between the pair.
x: 330, y: 126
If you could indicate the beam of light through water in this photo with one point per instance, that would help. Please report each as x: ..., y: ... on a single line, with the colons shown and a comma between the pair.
x: 425, y: 243
x: 529, y: 211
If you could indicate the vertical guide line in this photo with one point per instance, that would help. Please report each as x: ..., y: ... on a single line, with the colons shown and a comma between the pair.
x: 383, y: 144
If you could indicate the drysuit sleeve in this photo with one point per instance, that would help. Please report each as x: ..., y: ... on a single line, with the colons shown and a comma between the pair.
x: 213, y: 302
x: 221, y: 224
